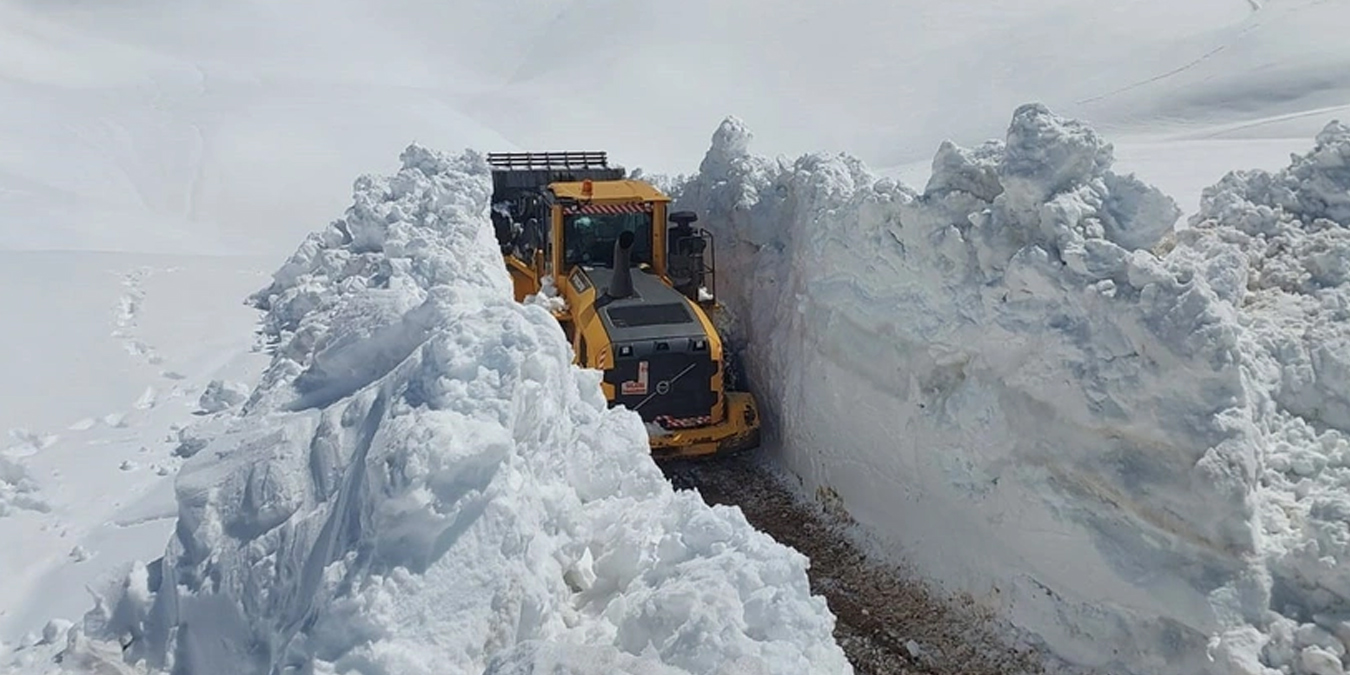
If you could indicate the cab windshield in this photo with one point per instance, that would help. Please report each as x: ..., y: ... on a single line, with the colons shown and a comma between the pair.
x: 589, y: 238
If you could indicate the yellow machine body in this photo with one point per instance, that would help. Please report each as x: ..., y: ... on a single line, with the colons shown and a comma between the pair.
x: 635, y: 298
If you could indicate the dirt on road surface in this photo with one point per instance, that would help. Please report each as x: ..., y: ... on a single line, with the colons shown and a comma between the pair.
x: 888, y: 621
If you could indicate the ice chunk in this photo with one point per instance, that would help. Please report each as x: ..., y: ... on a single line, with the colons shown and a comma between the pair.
x: 221, y: 395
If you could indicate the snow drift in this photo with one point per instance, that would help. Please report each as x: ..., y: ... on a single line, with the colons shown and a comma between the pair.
x: 423, y: 483
x: 1130, y: 442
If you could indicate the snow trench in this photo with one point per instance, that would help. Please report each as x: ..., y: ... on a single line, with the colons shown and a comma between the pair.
x: 1129, y: 440
x: 423, y: 483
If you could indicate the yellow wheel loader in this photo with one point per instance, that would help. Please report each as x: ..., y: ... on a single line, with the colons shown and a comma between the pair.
x: 633, y: 288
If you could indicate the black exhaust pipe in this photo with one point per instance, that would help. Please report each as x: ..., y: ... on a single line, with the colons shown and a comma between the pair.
x: 621, y: 283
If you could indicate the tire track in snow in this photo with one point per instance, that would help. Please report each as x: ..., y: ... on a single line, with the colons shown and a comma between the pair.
x: 1219, y: 132
x: 1156, y: 78
x: 1252, y: 25
x: 197, y: 179
x: 126, y: 328
x: 127, y: 316
x: 1193, y: 63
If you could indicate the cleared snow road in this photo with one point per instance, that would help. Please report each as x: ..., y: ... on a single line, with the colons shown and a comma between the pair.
x: 889, y: 622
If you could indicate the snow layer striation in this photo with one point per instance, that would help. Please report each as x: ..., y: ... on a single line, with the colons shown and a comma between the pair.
x: 423, y: 483
x: 1131, y: 442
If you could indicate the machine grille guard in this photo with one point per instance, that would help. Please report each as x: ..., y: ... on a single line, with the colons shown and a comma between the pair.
x: 548, y: 160
x: 628, y: 207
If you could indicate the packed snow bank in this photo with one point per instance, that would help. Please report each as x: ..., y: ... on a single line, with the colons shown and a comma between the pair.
x: 423, y: 483
x: 1276, y: 249
x: 1004, y: 380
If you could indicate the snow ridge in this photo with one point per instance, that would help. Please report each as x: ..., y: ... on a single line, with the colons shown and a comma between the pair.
x: 423, y: 483
x: 1040, y: 397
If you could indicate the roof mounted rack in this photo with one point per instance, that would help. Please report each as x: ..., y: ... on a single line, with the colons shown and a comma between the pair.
x: 516, y: 172
x: 530, y: 161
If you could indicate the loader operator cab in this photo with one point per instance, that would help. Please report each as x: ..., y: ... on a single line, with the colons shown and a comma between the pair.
x: 589, y: 239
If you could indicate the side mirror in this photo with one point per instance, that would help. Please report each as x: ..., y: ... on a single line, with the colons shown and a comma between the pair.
x: 683, y: 218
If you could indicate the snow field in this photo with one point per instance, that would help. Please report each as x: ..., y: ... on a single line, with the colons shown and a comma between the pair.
x: 125, y: 343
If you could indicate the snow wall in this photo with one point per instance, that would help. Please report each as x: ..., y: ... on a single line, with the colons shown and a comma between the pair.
x: 1130, y: 441
x: 423, y: 483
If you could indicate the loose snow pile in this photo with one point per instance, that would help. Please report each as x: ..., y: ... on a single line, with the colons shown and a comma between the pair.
x: 1138, y: 455
x: 423, y: 483
x: 220, y: 395
x: 17, y: 489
